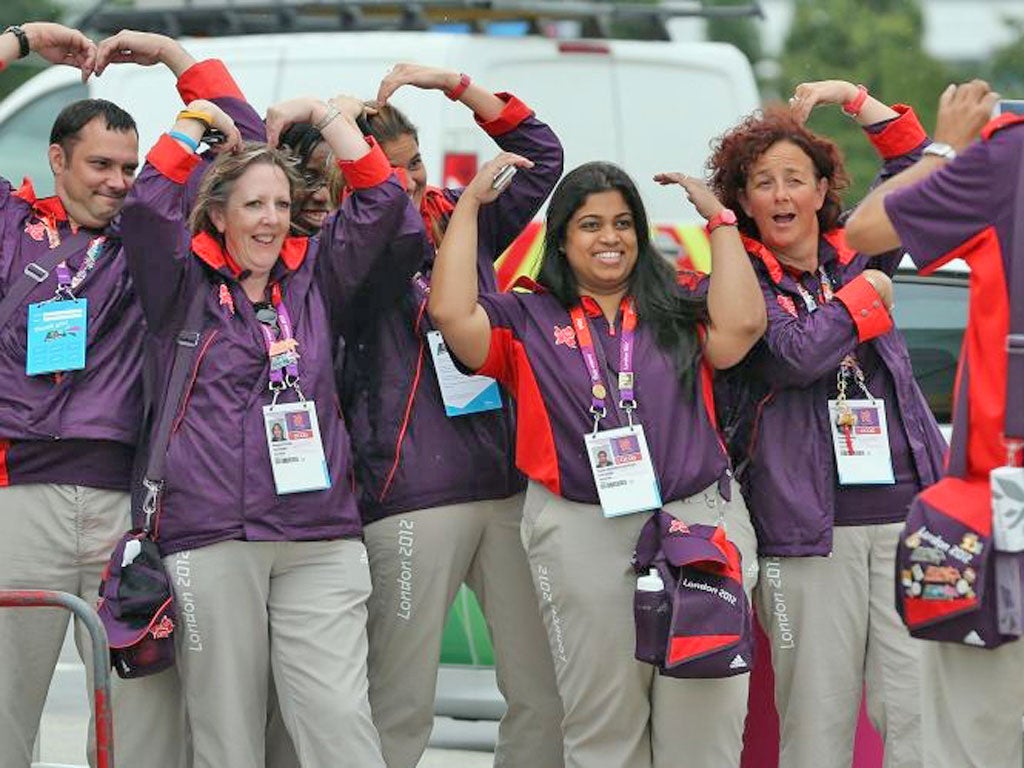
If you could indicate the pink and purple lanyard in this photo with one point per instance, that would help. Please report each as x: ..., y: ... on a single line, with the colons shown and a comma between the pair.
x: 284, y: 367
x: 68, y: 283
x: 848, y: 367
x: 598, y: 391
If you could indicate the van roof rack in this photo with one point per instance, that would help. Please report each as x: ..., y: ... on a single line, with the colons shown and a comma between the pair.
x: 214, y: 18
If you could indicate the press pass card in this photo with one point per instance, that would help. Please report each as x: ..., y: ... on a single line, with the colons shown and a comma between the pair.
x: 623, y: 471
x: 862, y: 447
x: 56, y: 336
x: 296, y: 450
x: 461, y: 394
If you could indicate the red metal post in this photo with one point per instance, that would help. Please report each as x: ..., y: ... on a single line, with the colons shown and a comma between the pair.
x: 44, y: 598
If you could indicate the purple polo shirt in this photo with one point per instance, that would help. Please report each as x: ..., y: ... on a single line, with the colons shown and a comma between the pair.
x: 534, y: 354
x: 966, y: 210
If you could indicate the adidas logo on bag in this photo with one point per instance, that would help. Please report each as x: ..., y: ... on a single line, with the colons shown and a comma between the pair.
x: 973, y: 638
x: 737, y: 663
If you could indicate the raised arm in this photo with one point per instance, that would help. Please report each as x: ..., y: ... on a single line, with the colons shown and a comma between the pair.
x: 54, y: 42
x: 735, y: 306
x: 154, y: 221
x: 453, y: 304
x: 513, y: 127
x: 368, y: 250
x: 963, y: 110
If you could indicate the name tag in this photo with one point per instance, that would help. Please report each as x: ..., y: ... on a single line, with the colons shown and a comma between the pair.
x: 296, y: 450
x: 56, y: 336
x: 623, y: 471
x: 862, y: 451
x: 461, y: 394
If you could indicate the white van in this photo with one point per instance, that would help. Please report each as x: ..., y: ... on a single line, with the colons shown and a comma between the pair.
x: 646, y: 105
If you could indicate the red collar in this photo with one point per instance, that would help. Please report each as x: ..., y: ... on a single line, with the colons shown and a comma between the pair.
x: 527, y: 283
x: 209, y: 249
x: 1005, y: 119
x: 835, y: 237
x: 50, y: 208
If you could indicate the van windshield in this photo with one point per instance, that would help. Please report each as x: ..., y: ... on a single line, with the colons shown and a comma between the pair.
x: 24, y: 138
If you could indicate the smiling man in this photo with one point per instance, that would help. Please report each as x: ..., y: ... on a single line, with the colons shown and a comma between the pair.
x: 71, y: 404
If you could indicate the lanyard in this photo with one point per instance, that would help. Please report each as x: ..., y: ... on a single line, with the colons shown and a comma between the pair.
x: 284, y: 367
x: 68, y: 283
x: 824, y: 297
x: 598, y: 391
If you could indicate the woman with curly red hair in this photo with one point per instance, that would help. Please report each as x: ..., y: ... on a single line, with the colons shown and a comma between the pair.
x: 839, y: 437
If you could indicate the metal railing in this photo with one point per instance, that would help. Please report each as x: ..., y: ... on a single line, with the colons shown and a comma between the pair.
x: 43, y: 598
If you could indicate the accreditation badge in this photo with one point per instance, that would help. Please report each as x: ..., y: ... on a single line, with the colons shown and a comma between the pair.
x: 860, y: 439
x: 56, y: 336
x: 296, y: 450
x: 623, y: 471
x: 462, y: 394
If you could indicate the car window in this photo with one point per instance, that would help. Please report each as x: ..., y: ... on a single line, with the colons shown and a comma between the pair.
x: 24, y: 138
x: 931, y: 312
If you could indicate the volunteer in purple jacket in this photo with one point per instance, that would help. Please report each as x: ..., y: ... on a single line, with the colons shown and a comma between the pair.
x: 609, y: 352
x: 958, y: 201
x: 440, y: 496
x: 69, y: 418
x: 262, y: 537
x: 841, y: 438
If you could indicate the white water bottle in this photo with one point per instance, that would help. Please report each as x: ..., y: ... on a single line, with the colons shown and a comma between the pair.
x: 652, y: 613
x: 651, y: 582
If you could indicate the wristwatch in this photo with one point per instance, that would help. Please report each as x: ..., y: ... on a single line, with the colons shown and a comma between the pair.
x: 940, y: 149
x: 23, y: 47
x: 725, y: 217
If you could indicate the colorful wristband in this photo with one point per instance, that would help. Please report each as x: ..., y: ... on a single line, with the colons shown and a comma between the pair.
x: 185, y: 139
x: 194, y: 114
x: 856, y: 104
x: 460, y: 88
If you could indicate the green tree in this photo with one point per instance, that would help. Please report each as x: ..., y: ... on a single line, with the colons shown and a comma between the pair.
x: 743, y: 32
x: 1006, y: 67
x: 16, y: 12
x: 874, y: 42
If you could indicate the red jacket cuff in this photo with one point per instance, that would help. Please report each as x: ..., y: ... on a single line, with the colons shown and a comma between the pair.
x: 865, y: 307
x: 369, y: 170
x: 511, y: 116
x: 172, y: 160
x: 902, y: 135
x: 208, y: 79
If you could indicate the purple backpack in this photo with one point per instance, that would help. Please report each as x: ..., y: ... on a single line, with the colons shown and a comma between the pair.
x: 700, y: 626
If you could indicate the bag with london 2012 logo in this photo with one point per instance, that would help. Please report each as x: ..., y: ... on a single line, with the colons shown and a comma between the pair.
x: 953, y: 584
x: 699, y: 625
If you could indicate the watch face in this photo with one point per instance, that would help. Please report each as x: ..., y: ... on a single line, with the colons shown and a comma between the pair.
x: 727, y: 216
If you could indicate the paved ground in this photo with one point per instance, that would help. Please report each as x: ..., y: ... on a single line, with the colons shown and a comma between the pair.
x: 454, y: 744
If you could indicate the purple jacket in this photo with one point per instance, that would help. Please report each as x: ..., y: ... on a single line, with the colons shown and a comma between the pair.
x: 409, y: 454
x: 77, y: 427
x: 218, y: 481
x: 789, y: 481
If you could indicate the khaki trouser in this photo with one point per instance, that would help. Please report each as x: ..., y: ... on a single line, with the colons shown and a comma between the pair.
x: 973, y: 702
x: 834, y: 631
x: 295, y: 608
x: 60, y: 537
x: 418, y: 560
x: 619, y: 713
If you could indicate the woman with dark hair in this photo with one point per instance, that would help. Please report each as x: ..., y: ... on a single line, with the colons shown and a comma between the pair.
x: 608, y: 315
x: 839, y: 437
x: 262, y: 537
x: 440, y: 496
